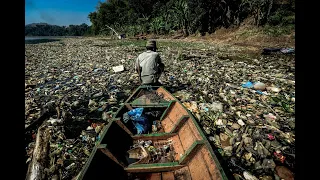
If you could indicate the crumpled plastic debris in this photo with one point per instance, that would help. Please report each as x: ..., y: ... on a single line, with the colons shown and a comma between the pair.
x: 138, y: 119
x: 157, y: 152
x: 118, y: 68
x: 270, y: 137
x: 273, y: 89
x: 125, y: 117
x: 247, y: 85
x: 55, y: 121
x: 279, y: 157
x: 136, y: 115
x: 214, y: 106
x: 275, y: 50
x: 270, y: 117
x: 287, y: 50
x: 249, y: 176
x: 259, y: 86
x: 139, y: 127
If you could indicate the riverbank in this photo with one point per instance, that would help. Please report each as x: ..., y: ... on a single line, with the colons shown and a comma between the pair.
x: 249, y: 38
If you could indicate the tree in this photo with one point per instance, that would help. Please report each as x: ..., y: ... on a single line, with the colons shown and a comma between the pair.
x: 191, y: 16
x: 53, y: 30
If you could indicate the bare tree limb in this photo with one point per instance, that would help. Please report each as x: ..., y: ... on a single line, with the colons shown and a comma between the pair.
x: 40, y: 155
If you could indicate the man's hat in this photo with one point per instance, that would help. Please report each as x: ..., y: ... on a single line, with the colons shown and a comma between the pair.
x: 151, y: 43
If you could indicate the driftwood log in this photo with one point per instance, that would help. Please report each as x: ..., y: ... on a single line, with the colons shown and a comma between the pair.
x: 40, y: 155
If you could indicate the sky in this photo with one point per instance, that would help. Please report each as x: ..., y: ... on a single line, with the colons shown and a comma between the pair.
x: 59, y: 12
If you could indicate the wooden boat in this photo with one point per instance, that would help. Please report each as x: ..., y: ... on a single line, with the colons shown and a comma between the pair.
x: 193, y: 157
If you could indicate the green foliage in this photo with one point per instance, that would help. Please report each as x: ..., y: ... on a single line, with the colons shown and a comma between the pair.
x: 282, y: 18
x: 170, y: 16
x: 43, y: 29
x: 288, y: 20
x: 278, y: 30
x: 157, y: 25
x: 191, y: 16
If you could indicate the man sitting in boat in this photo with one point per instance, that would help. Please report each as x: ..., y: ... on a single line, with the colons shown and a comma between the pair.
x: 149, y: 65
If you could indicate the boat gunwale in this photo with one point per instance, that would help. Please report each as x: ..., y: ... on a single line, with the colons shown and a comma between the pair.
x: 154, y: 167
x: 218, y: 165
x: 88, y: 163
x: 158, y: 136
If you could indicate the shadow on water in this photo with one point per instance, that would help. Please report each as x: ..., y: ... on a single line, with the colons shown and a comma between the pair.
x: 38, y: 41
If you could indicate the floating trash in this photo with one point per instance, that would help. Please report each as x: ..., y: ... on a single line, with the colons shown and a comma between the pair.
x: 75, y: 85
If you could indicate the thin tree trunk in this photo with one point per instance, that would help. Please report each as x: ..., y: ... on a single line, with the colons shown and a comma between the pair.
x: 269, y: 10
x: 114, y: 31
x: 258, y: 17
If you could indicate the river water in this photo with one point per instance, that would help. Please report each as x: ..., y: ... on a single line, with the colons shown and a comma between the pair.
x: 44, y: 39
x: 26, y: 38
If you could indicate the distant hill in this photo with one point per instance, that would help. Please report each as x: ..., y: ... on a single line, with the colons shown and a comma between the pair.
x: 45, y: 29
x: 35, y: 24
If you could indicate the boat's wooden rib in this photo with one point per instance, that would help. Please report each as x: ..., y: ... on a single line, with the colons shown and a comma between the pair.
x: 103, y: 148
x: 154, y: 137
x: 118, y: 121
x: 189, y: 154
x: 179, y: 124
x: 169, y: 107
x: 172, y: 116
x: 128, y: 106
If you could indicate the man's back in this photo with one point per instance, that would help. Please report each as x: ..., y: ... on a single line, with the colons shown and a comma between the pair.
x: 149, y: 65
x: 148, y: 61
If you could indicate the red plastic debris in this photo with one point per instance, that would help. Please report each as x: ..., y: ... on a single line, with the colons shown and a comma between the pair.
x: 270, y: 137
x: 280, y: 157
x: 94, y: 125
x: 34, y: 136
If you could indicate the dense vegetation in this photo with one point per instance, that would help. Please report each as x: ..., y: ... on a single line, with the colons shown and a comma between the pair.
x: 43, y: 29
x: 134, y: 17
x: 190, y: 16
